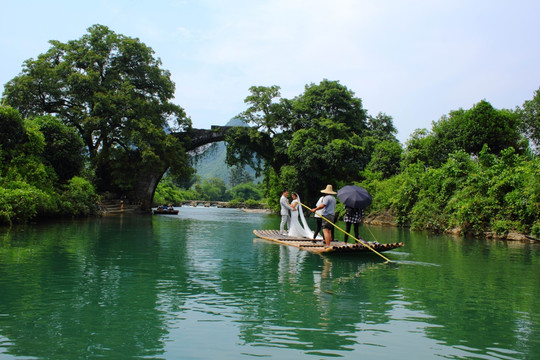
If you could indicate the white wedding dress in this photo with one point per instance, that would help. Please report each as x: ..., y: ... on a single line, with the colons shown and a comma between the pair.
x: 296, y: 229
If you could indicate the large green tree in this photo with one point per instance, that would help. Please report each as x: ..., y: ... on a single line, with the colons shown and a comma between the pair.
x: 466, y: 130
x: 259, y: 145
x: 112, y: 90
x: 322, y: 136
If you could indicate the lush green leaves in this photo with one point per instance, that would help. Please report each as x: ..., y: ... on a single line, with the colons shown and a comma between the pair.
x: 45, y: 152
x: 12, y: 131
x: 472, y: 195
x: 264, y: 112
x: 111, y: 89
x: 467, y: 130
x: 63, y: 147
x: 319, y: 137
x: 78, y: 198
x: 246, y: 191
x: 386, y: 159
x: 168, y: 193
x: 20, y: 202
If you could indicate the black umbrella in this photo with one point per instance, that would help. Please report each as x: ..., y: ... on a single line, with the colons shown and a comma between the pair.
x: 354, y: 196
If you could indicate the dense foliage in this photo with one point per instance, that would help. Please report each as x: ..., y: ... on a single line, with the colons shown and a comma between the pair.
x: 467, y: 130
x: 111, y: 89
x: 213, y: 189
x: 471, y: 195
x: 39, y: 169
x: 323, y: 136
x: 472, y: 172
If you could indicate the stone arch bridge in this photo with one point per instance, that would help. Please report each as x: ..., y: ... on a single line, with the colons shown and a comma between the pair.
x: 143, y: 193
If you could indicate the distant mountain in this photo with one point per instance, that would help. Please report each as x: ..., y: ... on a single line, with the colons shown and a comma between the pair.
x: 211, y: 162
x: 236, y: 122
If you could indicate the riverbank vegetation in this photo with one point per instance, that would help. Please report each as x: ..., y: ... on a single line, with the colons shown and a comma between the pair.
x: 94, y: 115
x: 41, y: 160
x: 472, y: 172
x: 111, y: 90
x: 213, y: 189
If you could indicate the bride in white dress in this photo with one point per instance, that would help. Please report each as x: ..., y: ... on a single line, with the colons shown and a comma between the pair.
x: 296, y: 229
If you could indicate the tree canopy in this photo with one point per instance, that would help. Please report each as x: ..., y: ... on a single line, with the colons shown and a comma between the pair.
x: 63, y: 147
x: 323, y: 136
x: 466, y: 130
x: 111, y: 89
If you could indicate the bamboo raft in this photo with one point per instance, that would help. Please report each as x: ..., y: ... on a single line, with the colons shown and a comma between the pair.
x: 318, y: 246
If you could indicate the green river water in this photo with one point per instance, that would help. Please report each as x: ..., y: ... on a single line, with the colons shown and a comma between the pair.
x: 199, y: 286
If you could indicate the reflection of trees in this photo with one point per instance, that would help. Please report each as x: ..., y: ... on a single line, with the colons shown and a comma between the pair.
x: 111, y: 288
x: 78, y: 286
x: 472, y: 294
x: 117, y: 289
x: 299, y: 300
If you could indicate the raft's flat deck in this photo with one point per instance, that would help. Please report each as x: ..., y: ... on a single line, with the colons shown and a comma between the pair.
x: 319, y: 246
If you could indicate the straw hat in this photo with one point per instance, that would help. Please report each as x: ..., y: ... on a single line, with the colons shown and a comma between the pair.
x: 328, y: 190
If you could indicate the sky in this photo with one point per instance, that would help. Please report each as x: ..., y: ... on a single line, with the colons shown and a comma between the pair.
x: 413, y: 60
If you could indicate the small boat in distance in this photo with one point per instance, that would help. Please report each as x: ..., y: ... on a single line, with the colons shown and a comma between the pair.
x: 165, y: 210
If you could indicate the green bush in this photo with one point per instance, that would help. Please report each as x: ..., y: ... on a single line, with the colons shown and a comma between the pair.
x: 246, y: 191
x: 252, y: 204
x: 78, y: 199
x: 235, y: 203
x: 472, y: 213
x: 168, y: 193
x: 487, y: 193
x: 22, y: 202
x: 535, y: 230
x: 427, y: 215
x: 504, y: 226
x: 404, y: 195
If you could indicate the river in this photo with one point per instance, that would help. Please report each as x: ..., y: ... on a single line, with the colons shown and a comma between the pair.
x: 199, y: 286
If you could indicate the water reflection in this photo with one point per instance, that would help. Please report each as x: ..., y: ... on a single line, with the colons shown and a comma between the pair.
x: 79, y: 290
x: 308, y: 302
x: 199, y: 286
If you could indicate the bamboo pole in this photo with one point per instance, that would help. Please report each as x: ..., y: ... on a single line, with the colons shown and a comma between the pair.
x: 363, y: 243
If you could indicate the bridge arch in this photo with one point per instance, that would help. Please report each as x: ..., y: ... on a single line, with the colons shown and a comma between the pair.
x: 147, y: 183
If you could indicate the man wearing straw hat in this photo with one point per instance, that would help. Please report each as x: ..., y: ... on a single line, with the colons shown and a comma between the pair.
x: 328, y: 214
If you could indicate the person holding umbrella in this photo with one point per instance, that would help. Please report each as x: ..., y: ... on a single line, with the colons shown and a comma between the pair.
x: 355, y: 199
x: 352, y: 217
x: 328, y: 214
